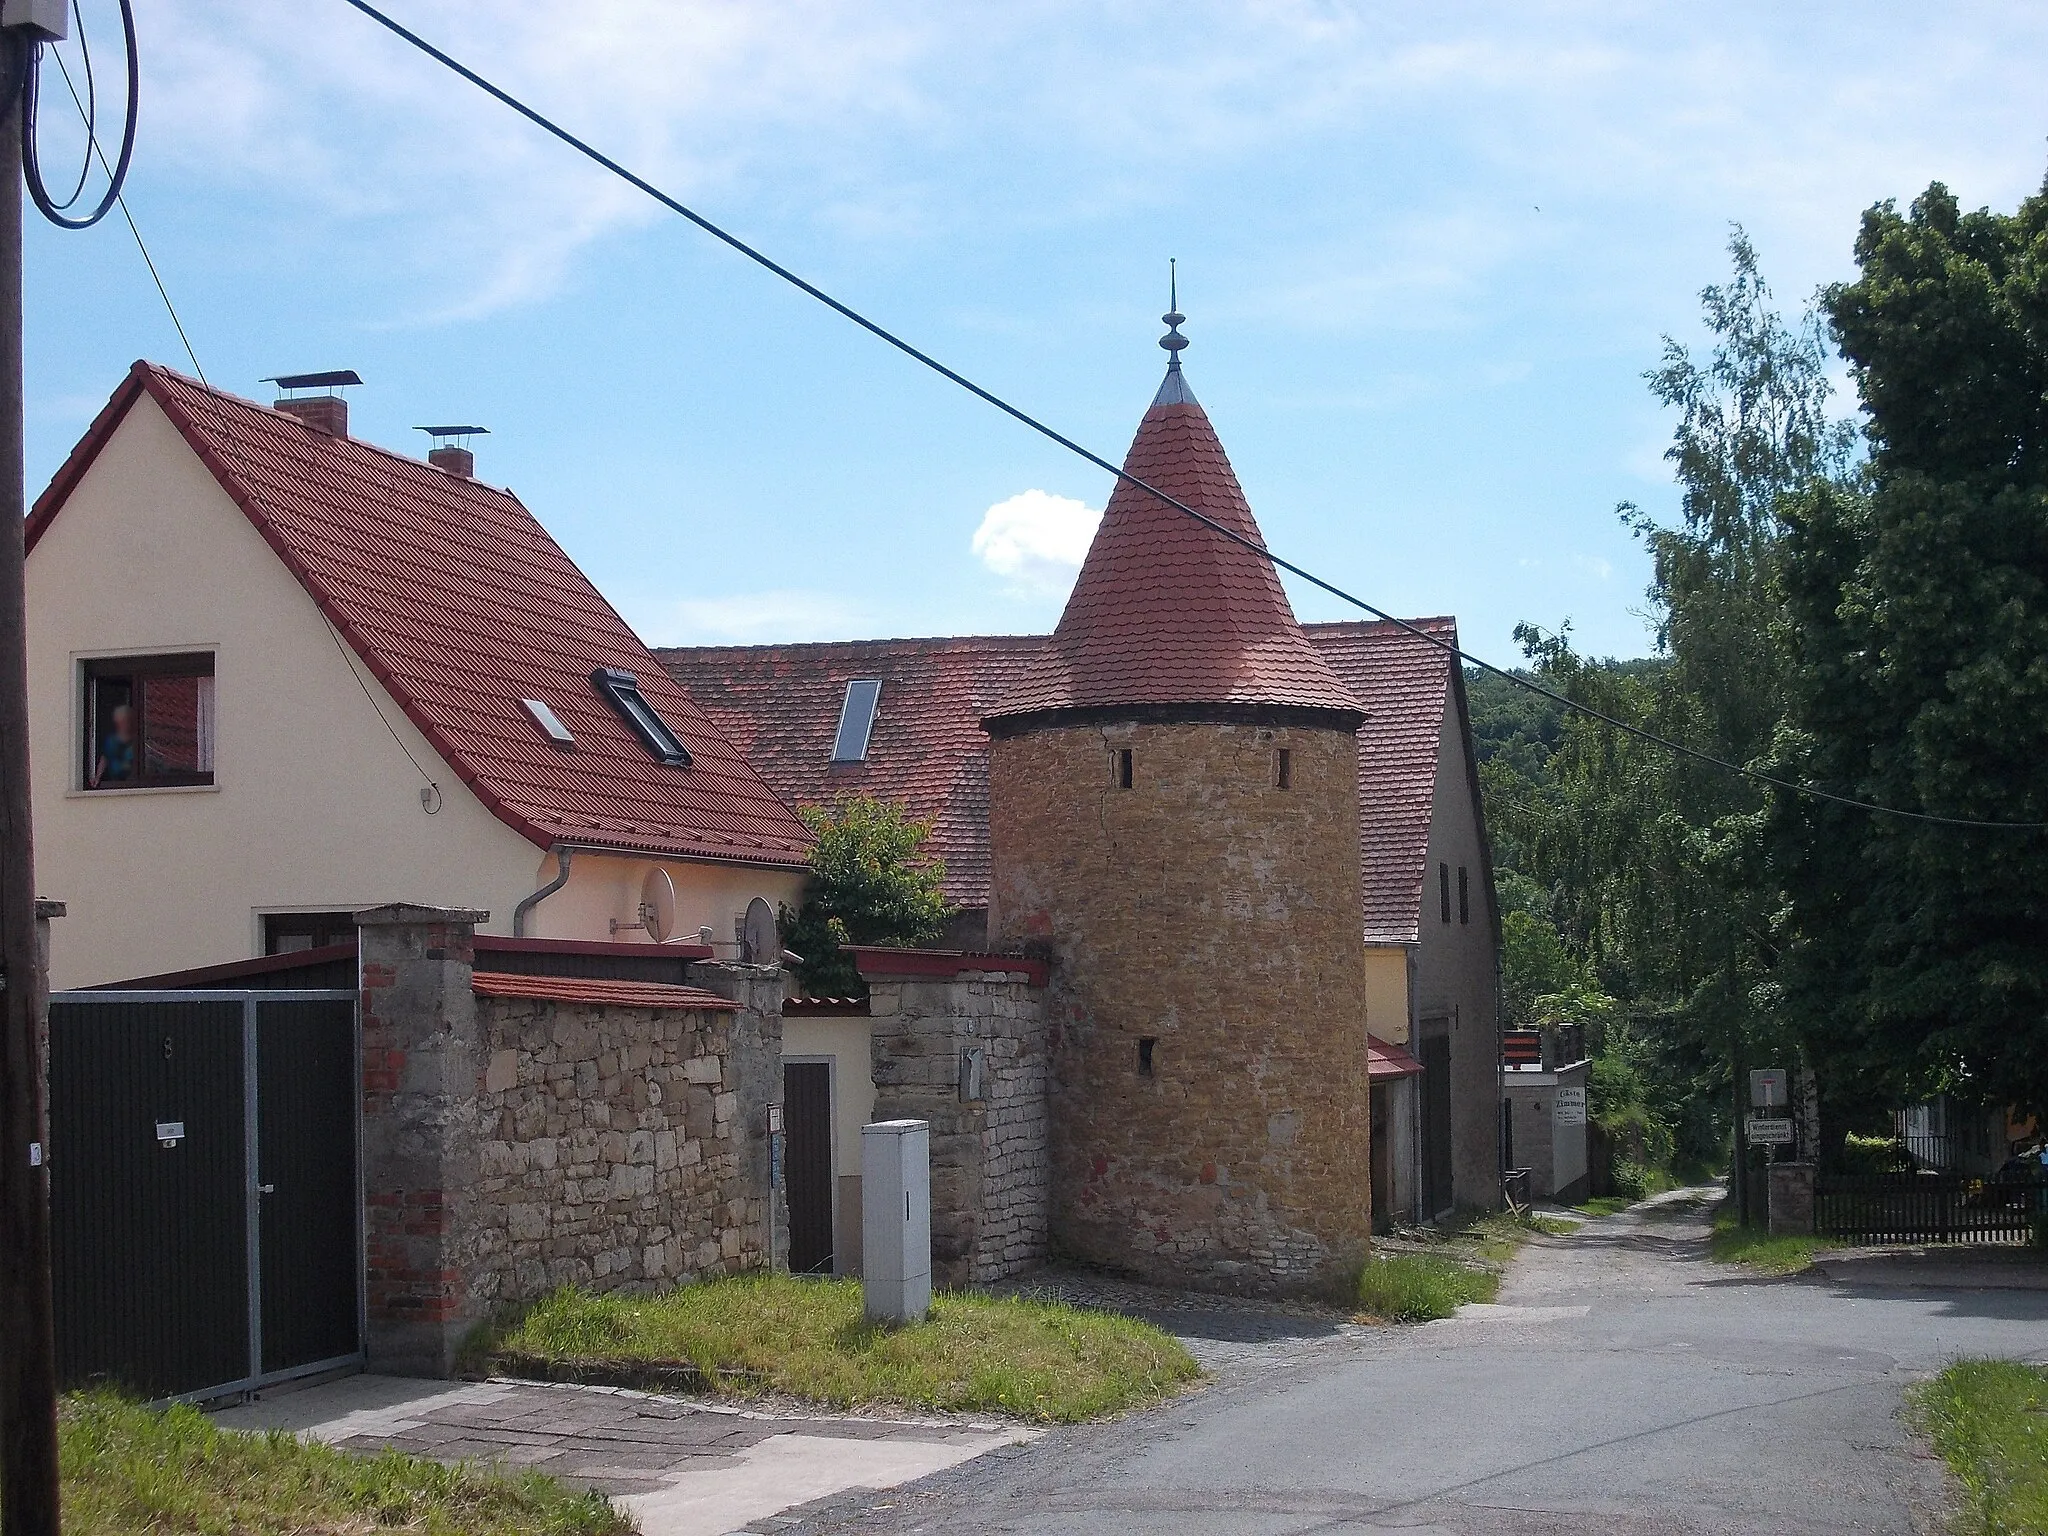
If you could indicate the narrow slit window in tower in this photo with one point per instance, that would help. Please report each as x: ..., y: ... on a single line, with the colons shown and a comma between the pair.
x: 1283, y: 772
x: 1123, y: 768
x: 1145, y: 1056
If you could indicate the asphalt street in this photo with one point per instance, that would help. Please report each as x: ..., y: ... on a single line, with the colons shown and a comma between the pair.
x: 1624, y: 1383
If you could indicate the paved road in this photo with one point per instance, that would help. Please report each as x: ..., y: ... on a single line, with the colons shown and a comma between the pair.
x: 1624, y: 1384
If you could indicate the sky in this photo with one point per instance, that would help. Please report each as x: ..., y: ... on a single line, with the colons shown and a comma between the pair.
x: 1426, y: 252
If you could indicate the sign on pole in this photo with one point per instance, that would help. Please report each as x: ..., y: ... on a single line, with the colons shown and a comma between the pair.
x: 1769, y: 1132
x: 1769, y: 1088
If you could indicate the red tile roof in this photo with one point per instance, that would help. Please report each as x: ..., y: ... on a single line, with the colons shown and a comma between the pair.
x: 779, y: 704
x: 461, y: 604
x: 1384, y: 1061
x: 607, y: 994
x: 1165, y: 611
x: 1405, y: 683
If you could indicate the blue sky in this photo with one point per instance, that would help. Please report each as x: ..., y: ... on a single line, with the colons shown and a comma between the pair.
x: 1426, y: 252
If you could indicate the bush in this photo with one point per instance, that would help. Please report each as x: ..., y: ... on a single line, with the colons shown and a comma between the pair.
x: 1873, y: 1154
x: 1421, y: 1287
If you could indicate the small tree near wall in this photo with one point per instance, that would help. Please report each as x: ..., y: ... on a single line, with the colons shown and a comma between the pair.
x: 871, y: 883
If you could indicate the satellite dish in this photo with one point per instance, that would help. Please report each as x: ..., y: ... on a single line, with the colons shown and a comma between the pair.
x: 657, y: 907
x: 760, y: 944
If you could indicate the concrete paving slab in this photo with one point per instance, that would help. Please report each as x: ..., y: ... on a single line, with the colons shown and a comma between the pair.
x: 683, y: 1467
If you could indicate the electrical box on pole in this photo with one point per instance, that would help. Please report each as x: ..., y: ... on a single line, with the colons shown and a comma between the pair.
x: 47, y: 21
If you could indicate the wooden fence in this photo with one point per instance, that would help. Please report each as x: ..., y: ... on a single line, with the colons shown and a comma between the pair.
x: 1930, y: 1207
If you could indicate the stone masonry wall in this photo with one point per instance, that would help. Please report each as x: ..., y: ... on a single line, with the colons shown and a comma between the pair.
x: 614, y: 1150
x: 510, y: 1145
x: 989, y: 1155
x: 1216, y: 915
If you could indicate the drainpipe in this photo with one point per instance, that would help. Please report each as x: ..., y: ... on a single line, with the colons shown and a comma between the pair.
x: 563, y: 853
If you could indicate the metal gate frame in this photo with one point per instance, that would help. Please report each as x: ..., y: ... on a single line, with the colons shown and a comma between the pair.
x: 252, y: 1195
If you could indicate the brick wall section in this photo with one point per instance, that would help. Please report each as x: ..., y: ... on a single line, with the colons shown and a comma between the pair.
x: 616, y: 1151
x: 1219, y: 915
x: 990, y: 1165
x: 422, y: 1064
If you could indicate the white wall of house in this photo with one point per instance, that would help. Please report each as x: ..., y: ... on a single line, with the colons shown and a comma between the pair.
x: 1454, y: 971
x: 314, y: 804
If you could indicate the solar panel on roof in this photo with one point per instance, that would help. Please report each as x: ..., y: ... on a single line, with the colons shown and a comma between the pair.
x: 857, y: 720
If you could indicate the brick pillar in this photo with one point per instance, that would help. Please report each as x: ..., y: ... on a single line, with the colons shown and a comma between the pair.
x: 756, y: 1065
x: 422, y: 1100
x: 1791, y: 1199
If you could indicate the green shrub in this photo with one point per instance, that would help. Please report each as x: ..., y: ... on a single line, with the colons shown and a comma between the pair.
x: 1873, y: 1154
x: 1421, y: 1287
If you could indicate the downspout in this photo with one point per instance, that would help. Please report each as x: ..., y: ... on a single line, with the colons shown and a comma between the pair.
x: 563, y: 853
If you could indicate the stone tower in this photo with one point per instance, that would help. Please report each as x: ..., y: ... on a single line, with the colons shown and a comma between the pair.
x: 1174, y: 820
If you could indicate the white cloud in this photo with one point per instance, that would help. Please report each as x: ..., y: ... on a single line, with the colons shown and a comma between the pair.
x: 1036, y: 540
x: 784, y: 616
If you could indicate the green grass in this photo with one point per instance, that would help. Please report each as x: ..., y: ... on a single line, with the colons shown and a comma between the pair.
x: 128, y: 1469
x: 1604, y: 1205
x: 1550, y: 1226
x: 1989, y: 1420
x: 1757, y: 1249
x: 1420, y: 1287
x: 772, y: 1333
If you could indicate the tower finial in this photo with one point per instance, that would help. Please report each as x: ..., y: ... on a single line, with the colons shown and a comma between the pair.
x: 1173, y: 341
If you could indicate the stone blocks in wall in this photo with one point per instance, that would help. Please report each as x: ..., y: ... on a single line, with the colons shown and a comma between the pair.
x: 989, y: 1155
x: 1206, y: 1014
x: 512, y: 1144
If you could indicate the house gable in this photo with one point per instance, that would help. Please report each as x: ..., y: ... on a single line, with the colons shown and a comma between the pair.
x: 457, y: 600
x: 315, y: 802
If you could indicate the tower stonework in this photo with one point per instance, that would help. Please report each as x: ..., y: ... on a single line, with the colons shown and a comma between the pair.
x: 1174, y: 822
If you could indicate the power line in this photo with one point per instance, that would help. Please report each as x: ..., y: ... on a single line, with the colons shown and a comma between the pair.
x: 121, y: 202
x: 882, y: 333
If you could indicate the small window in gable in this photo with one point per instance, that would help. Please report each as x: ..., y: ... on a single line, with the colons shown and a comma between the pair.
x: 148, y: 722
x: 1464, y: 897
x: 623, y: 689
x: 549, y: 722
x: 1443, y: 889
x: 856, y: 720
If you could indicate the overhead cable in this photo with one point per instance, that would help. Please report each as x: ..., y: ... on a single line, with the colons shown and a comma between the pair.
x: 882, y: 333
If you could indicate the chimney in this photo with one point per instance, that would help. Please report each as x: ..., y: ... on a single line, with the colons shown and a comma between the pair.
x: 451, y: 451
x: 456, y: 460
x: 325, y: 412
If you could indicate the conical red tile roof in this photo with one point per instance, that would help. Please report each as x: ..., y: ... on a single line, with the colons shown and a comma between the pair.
x: 1168, y: 612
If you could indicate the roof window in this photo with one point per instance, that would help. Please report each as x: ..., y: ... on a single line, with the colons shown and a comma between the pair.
x: 549, y: 722
x: 623, y: 689
x: 857, y: 720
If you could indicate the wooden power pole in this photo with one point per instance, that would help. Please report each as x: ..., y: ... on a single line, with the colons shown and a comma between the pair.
x: 28, y: 1354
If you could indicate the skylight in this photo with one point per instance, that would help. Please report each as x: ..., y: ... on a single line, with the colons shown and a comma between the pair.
x: 857, y: 720
x: 549, y: 721
x: 623, y: 689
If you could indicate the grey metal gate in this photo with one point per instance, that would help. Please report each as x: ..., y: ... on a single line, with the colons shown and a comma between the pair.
x: 206, y: 1204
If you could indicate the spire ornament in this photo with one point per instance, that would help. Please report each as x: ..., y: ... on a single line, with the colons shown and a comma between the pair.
x: 1174, y: 389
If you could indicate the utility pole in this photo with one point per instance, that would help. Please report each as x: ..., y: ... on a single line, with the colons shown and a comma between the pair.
x: 28, y: 1351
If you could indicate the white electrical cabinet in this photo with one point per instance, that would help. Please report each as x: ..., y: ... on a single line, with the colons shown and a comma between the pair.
x: 896, y: 1220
